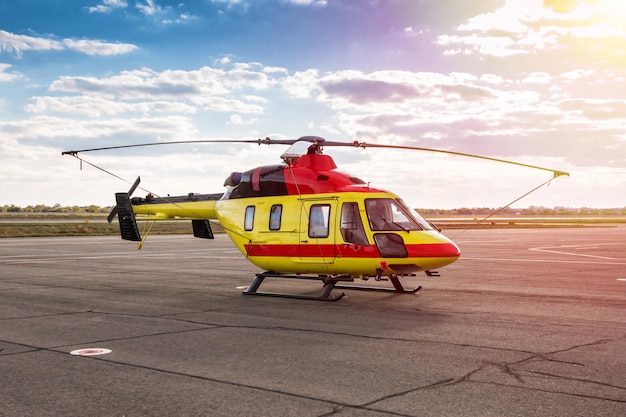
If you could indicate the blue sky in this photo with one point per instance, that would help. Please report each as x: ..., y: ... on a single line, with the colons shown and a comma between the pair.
x: 537, y: 82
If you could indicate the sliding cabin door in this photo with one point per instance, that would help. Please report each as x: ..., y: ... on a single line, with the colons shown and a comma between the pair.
x: 318, y: 230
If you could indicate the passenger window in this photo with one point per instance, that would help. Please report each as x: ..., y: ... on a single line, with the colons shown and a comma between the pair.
x: 352, y: 229
x: 276, y: 213
x: 319, y: 216
x: 248, y: 222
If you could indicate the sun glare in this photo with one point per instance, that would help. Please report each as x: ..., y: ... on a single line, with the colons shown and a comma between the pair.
x: 613, y: 8
x: 606, y: 21
x: 613, y: 11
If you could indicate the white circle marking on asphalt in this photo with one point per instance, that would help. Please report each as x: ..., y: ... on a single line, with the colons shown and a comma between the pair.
x: 90, y: 351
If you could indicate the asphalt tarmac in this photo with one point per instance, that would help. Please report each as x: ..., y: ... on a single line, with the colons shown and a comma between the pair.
x: 529, y: 322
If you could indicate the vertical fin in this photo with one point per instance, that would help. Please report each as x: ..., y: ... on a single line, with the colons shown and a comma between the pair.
x: 126, y: 217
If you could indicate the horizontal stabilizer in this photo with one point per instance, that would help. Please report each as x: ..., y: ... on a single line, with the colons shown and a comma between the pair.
x: 126, y: 217
x: 202, y: 229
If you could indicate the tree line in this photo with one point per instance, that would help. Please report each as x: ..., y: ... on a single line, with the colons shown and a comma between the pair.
x: 528, y: 211
x: 57, y: 208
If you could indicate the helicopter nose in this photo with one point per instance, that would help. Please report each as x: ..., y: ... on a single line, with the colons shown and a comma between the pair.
x: 441, y: 252
x: 448, y: 249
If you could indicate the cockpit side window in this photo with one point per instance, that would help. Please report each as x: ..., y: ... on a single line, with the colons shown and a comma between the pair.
x: 386, y: 214
x: 352, y: 229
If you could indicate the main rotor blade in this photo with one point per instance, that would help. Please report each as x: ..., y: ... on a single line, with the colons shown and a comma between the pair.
x: 266, y: 141
x: 321, y: 142
x: 357, y: 144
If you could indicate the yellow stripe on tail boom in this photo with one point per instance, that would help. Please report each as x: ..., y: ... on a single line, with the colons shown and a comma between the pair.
x: 190, y: 207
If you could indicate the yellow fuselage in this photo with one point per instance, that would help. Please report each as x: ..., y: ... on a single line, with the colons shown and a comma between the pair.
x: 287, y: 243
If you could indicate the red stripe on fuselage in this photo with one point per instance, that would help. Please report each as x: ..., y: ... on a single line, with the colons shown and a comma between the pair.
x: 423, y: 250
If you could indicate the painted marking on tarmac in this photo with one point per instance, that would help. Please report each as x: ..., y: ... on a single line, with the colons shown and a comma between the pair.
x: 621, y: 279
x: 552, y: 249
x: 35, y: 259
x: 90, y: 351
x: 466, y: 258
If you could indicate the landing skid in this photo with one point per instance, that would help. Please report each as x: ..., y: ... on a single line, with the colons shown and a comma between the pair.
x: 330, y: 283
x: 397, y: 287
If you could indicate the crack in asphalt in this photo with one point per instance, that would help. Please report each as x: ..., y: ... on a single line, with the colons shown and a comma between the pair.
x: 103, y: 287
x: 508, y: 368
x: 39, y: 316
x: 336, y: 405
x: 214, y: 325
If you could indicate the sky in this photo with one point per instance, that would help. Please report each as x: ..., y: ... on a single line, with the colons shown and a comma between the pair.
x: 537, y: 82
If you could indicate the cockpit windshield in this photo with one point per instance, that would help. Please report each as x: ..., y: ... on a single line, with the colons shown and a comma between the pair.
x: 386, y: 214
x: 415, y: 215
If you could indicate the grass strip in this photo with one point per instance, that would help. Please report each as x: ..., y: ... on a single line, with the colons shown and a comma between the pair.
x: 8, y: 230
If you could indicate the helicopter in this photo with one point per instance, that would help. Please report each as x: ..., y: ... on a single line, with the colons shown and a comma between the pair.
x: 306, y: 219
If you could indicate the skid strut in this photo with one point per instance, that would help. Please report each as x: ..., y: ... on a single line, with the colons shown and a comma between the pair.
x: 329, y: 283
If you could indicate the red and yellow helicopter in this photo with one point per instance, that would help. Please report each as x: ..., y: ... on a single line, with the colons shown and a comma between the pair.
x: 305, y: 219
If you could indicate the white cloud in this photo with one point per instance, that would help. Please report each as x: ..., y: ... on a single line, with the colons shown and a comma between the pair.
x: 166, y: 15
x: 537, y: 78
x: 246, y: 3
x: 65, y: 133
x: 93, y: 106
x: 236, y: 119
x: 500, y: 46
x: 108, y: 6
x: 219, y: 104
x: 491, y: 79
x: 149, y: 7
x: 534, y: 115
x: 307, y: 2
x: 92, y: 47
x: 11, y: 42
x: 228, y: 2
x: 171, y: 84
x: 301, y: 84
x: 577, y: 74
x: 6, y: 76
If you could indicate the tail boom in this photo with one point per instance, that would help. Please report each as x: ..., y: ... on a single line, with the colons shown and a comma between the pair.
x: 198, y: 208
x: 192, y: 207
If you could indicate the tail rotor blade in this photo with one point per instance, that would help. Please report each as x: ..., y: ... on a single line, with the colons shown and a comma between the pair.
x: 132, y: 189
x: 134, y: 186
x: 112, y: 214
